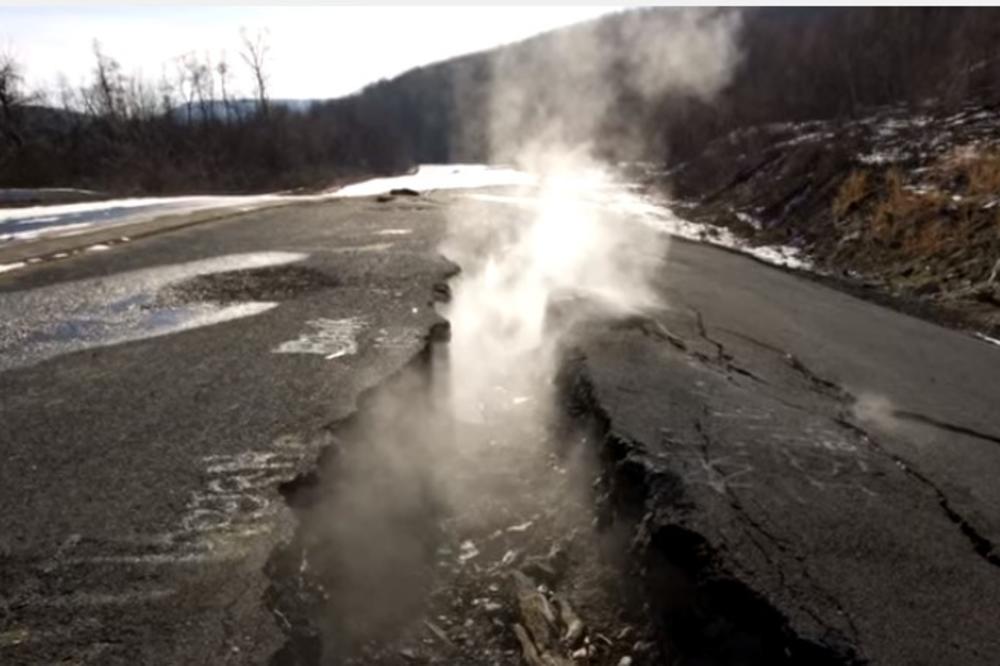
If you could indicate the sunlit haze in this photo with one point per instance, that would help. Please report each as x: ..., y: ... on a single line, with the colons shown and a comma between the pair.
x: 315, y: 52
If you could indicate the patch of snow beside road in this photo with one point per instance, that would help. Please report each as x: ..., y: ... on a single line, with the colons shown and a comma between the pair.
x: 440, y: 177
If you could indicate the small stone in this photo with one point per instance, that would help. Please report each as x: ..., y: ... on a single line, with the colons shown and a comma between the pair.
x: 625, y: 661
x: 522, y: 527
x: 467, y: 551
x: 412, y: 656
x: 509, y: 558
x: 541, y: 571
x: 492, y: 607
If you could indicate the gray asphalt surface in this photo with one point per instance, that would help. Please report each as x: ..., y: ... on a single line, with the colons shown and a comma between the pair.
x: 845, y: 484
x: 139, y: 480
x: 839, y: 459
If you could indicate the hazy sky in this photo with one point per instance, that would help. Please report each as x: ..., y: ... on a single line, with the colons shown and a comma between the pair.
x: 314, y: 51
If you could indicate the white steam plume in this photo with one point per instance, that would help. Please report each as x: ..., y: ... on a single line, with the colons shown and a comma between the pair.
x: 553, y: 101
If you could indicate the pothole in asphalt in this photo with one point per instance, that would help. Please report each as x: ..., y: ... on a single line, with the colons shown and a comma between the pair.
x: 270, y: 283
x: 47, y: 321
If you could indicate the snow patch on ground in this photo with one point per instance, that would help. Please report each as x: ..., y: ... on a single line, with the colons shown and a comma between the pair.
x: 986, y: 338
x: 663, y: 218
x: 440, y: 177
x: 32, y: 222
x: 747, y: 218
x: 889, y: 156
x: 779, y: 255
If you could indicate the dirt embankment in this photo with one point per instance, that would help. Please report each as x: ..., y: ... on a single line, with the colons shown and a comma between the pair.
x: 901, y: 205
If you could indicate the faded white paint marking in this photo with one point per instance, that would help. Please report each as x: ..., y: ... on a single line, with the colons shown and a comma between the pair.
x: 394, y: 232
x: 330, y: 338
x: 373, y: 247
x: 97, y: 599
x: 12, y: 267
x: 398, y: 338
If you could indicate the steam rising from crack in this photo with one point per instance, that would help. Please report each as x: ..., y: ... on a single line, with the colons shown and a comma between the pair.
x: 473, y: 454
x: 553, y: 115
x: 572, y: 93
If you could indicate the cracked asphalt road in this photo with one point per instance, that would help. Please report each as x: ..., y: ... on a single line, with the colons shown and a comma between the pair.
x: 139, y: 480
x: 837, y: 458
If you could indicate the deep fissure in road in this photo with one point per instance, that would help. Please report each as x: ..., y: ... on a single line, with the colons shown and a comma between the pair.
x: 478, y: 506
x: 550, y: 558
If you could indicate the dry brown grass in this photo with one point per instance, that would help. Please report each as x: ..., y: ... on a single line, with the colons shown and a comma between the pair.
x: 852, y: 191
x: 928, y: 238
x: 897, y: 204
x: 983, y: 174
x: 912, y: 217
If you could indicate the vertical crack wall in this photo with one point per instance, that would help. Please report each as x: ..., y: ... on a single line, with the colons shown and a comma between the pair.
x: 701, y: 614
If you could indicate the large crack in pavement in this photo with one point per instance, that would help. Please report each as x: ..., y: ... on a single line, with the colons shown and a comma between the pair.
x: 777, y: 478
x: 556, y: 551
x: 980, y: 543
x: 678, y: 500
x: 500, y: 563
x: 701, y: 612
x: 945, y: 425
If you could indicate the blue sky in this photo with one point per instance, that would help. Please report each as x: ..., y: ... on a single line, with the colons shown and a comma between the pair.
x: 317, y: 51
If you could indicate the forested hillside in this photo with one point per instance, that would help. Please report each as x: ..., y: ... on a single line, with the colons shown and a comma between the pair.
x: 128, y: 135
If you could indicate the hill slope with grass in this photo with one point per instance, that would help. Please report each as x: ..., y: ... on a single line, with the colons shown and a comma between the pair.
x: 900, y: 200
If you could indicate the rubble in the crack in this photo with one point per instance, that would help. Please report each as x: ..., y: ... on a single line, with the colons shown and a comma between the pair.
x: 385, y: 569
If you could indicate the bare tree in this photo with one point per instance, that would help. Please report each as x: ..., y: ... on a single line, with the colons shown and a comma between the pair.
x: 140, y: 99
x: 185, y: 86
x: 201, y: 84
x: 222, y: 69
x: 12, y: 98
x: 107, y: 95
x: 167, y: 91
x: 254, y: 54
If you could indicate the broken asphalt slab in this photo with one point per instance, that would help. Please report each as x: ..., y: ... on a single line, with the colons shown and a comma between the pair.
x: 778, y: 524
